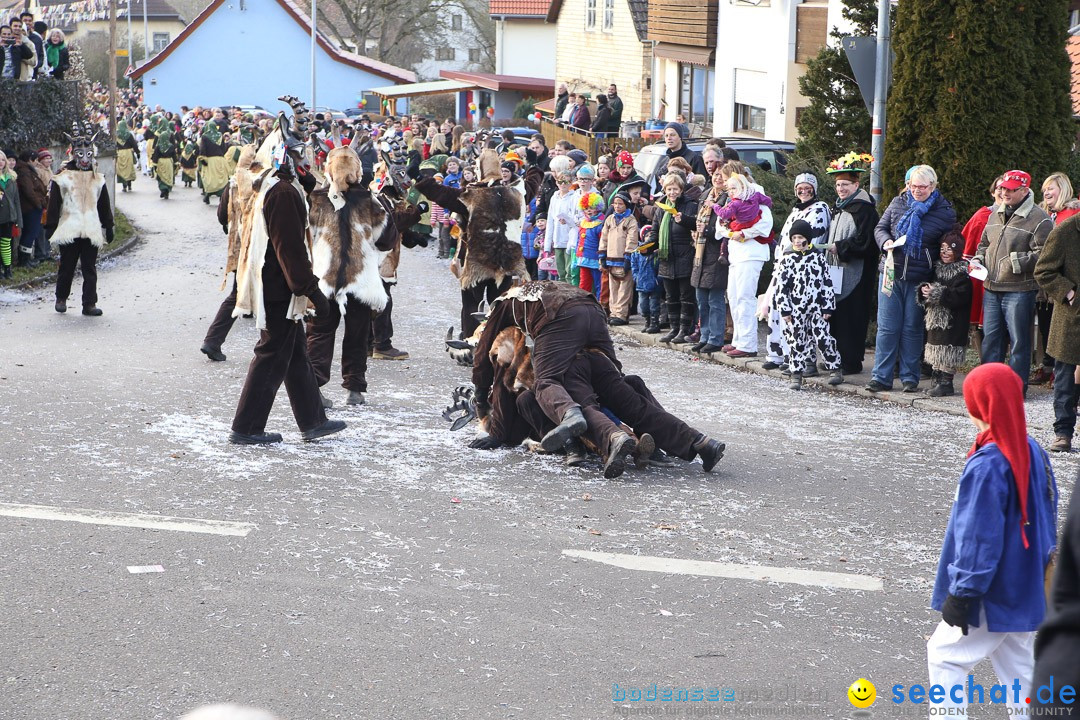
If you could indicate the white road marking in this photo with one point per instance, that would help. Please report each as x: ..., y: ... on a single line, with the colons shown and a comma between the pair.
x: 762, y: 573
x: 143, y: 569
x: 131, y: 520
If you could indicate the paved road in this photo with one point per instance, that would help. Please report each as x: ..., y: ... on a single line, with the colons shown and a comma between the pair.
x: 364, y: 592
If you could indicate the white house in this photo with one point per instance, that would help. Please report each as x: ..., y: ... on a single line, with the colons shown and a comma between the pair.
x: 524, y: 41
x: 459, y: 47
x: 757, y: 92
x: 248, y: 52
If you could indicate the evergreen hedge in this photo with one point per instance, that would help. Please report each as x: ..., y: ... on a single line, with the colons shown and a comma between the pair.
x: 37, y: 114
x: 979, y: 87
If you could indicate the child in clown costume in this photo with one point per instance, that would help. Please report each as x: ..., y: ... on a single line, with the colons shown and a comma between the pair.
x: 588, y: 247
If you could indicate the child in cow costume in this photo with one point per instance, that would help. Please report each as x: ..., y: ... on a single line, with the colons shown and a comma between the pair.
x: 79, y: 220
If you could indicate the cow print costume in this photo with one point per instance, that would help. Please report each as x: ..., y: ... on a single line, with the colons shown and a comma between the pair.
x: 817, y: 214
x: 804, y: 294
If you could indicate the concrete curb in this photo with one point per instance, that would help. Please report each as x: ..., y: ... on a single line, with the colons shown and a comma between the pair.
x: 51, y: 277
x: 952, y: 406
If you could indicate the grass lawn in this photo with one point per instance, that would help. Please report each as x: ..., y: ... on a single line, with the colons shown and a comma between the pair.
x: 122, y: 231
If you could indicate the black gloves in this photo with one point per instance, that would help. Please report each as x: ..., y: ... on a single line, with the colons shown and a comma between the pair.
x: 322, y: 305
x: 109, y: 237
x: 955, y: 612
x: 486, y: 442
x: 423, y: 207
x: 225, y: 228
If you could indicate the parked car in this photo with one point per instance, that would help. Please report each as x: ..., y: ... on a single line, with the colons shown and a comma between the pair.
x: 255, y: 111
x: 330, y: 113
x: 522, y: 135
x: 768, y: 155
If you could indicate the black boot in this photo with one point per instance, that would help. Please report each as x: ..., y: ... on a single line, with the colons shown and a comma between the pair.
x: 710, y: 451
x: 944, y: 386
x: 573, y: 425
x: 652, y: 326
x: 671, y: 335
x: 683, y: 336
x: 615, y: 463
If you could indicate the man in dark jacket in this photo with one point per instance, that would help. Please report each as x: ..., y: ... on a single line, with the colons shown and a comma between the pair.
x: 1058, y: 274
x: 286, y: 278
x: 1057, y: 644
x: 616, y: 104
x: 33, y: 195
x: 675, y: 135
x: 561, y: 99
x: 1010, y: 247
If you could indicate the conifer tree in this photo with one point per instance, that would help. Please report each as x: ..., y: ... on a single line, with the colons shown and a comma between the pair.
x: 979, y: 87
x: 836, y: 121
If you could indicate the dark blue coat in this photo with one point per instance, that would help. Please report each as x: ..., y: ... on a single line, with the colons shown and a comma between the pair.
x: 938, y: 220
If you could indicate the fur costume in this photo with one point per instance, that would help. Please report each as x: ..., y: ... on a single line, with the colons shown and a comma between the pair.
x: 79, y: 191
x: 947, y: 316
x: 346, y: 223
x: 493, y: 213
x: 241, y: 198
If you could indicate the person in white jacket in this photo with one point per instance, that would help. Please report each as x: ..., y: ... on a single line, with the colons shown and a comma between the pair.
x: 562, y: 224
x: 746, y: 255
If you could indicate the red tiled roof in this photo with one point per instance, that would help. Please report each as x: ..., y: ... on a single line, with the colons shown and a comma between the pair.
x: 386, y: 70
x: 526, y: 8
x: 1073, y: 47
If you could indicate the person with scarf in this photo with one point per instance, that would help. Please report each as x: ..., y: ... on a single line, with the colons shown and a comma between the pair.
x: 909, y: 233
x: 165, y: 156
x: 1000, y: 538
x: 127, y: 155
x: 709, y: 276
x: 189, y: 163
x: 1009, y: 249
x: 852, y: 248
x: 56, y: 55
x: 673, y: 224
x: 946, y: 301
x: 33, y: 183
x: 11, y: 217
x: 618, y: 241
x: 1059, y: 201
x: 213, y: 167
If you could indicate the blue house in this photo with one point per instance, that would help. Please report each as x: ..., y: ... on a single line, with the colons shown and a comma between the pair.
x: 249, y: 52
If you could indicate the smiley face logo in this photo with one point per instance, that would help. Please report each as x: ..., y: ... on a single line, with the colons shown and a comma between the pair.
x: 862, y: 693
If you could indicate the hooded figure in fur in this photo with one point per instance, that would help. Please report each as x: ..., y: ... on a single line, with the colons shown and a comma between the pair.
x: 489, y: 248
x: 352, y: 233
x: 237, y: 200
x: 79, y: 220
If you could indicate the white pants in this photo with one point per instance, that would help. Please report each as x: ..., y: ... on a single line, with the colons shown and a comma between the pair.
x: 742, y: 299
x: 951, y: 656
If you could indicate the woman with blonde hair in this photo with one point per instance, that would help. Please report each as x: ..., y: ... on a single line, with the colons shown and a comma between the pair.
x: 1060, y: 204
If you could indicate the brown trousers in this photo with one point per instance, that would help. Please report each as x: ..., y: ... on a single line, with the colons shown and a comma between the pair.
x: 280, y: 357
x: 621, y: 294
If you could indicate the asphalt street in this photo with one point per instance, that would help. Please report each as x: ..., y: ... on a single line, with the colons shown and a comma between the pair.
x: 391, y: 572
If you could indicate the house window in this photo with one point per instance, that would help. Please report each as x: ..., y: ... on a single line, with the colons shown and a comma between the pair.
x: 455, y: 22
x: 750, y: 119
x: 590, y: 14
x: 161, y: 39
x: 444, y: 53
x: 609, y: 16
x: 474, y: 55
x: 696, y: 93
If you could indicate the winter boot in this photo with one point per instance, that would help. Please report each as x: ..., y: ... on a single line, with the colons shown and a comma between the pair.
x: 621, y: 446
x: 836, y: 377
x: 796, y: 381
x: 573, y: 425
x: 671, y: 335
x: 355, y: 398
x: 26, y: 257
x: 653, y: 326
x: 683, y: 336
x: 944, y: 386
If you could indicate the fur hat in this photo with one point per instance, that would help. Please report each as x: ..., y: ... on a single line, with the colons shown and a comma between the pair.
x: 343, y: 168
x: 954, y: 239
x: 586, y: 171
